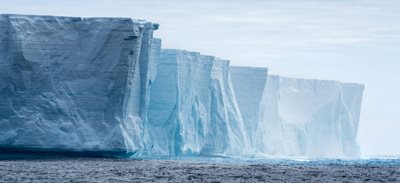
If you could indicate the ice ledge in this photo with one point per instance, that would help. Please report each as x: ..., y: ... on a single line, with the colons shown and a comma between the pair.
x: 316, y: 80
x: 250, y: 68
x: 204, y: 58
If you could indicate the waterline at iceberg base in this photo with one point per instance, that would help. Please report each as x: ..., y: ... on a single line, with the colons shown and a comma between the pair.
x: 104, y: 87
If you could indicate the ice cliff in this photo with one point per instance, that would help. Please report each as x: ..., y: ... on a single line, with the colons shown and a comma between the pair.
x: 299, y: 118
x: 193, y: 110
x: 311, y: 118
x: 105, y: 86
x: 249, y: 84
x: 74, y: 84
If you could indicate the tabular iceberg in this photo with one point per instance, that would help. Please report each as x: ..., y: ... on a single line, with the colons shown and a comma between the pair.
x: 104, y: 86
x: 193, y: 110
x: 73, y: 84
x: 298, y: 117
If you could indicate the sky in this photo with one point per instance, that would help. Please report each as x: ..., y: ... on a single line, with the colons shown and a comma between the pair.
x: 355, y: 41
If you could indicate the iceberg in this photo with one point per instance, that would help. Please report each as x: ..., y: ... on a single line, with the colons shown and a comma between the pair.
x: 104, y: 87
x: 74, y: 84
x: 310, y: 118
x: 298, y: 117
x: 193, y: 110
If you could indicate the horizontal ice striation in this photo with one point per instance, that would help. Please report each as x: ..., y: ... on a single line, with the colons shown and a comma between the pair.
x: 104, y: 86
x: 310, y: 118
x: 193, y: 110
x: 73, y: 84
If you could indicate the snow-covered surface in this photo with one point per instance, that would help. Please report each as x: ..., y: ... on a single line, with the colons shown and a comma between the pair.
x: 193, y: 110
x: 73, y: 83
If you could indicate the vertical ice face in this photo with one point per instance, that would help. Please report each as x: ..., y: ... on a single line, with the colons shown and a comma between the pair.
x: 73, y: 83
x: 310, y: 118
x: 151, y: 76
x: 193, y: 110
x: 249, y: 84
x: 102, y: 85
x: 287, y: 117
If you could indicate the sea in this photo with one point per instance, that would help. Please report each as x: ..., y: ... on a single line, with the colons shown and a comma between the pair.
x: 198, y: 169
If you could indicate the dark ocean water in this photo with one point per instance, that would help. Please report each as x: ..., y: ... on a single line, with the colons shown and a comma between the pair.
x: 221, y: 169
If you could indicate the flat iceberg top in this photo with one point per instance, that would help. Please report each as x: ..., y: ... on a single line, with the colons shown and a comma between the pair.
x: 191, y: 54
x: 246, y: 69
x: 302, y: 80
x: 140, y: 22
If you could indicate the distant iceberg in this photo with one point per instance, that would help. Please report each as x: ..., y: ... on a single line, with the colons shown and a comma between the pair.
x: 311, y: 118
x: 298, y: 117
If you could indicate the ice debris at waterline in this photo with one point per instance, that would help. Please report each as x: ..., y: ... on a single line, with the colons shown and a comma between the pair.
x: 104, y: 87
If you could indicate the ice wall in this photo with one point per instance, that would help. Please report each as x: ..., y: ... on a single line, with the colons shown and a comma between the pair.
x: 103, y: 85
x: 193, y: 110
x: 310, y: 118
x: 249, y: 84
x: 288, y: 117
x: 73, y: 84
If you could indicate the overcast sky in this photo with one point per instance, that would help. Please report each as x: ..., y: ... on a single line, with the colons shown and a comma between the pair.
x: 347, y: 40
